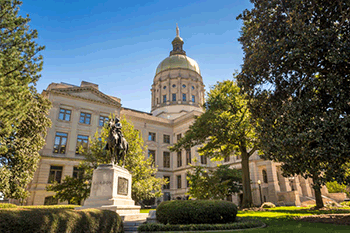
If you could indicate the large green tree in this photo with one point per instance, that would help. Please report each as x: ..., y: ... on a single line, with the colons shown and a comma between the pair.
x: 145, y: 185
x: 23, y: 112
x: 225, y: 128
x: 20, y: 64
x: 214, y: 184
x: 296, y: 74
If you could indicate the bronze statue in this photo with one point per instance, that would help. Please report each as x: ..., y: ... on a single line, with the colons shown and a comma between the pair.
x: 116, y: 143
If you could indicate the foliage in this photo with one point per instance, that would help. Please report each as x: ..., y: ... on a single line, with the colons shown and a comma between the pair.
x: 296, y: 75
x: 214, y: 184
x: 345, y: 203
x: 334, y: 187
x: 19, y: 66
x: 240, y: 224
x: 225, y: 128
x: 6, y: 205
x: 144, y: 184
x: 196, y: 212
x: 23, y: 112
x: 49, y: 207
x: 267, y: 205
x: 59, y: 220
x: 74, y: 189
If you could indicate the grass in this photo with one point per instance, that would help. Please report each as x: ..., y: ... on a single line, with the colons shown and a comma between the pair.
x: 145, y: 211
x: 280, y: 219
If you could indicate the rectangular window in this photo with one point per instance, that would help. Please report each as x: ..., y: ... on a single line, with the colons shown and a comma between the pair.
x: 178, y: 178
x: 77, y: 173
x: 151, y: 136
x: 179, y: 159
x: 167, y: 186
x: 174, y: 97
x: 103, y: 120
x: 152, y: 154
x: 227, y: 159
x: 183, y: 97
x: 166, y: 159
x: 193, y: 98
x: 60, y: 143
x: 203, y: 159
x: 188, y: 156
x: 166, y: 138
x: 55, y: 174
x: 178, y: 137
x: 64, y: 114
x: 85, y: 118
x: 81, y: 141
x: 164, y: 98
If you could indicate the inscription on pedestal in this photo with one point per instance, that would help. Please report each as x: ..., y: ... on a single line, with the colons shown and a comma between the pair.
x: 122, y: 186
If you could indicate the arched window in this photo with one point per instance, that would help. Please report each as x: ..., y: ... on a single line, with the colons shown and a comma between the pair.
x: 264, y: 173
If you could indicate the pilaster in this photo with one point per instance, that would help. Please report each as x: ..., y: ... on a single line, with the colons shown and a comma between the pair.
x: 273, y: 186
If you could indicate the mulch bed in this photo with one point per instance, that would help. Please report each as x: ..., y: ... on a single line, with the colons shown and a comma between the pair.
x: 339, y: 219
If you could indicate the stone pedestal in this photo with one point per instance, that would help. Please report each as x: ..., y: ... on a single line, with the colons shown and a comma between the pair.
x: 111, y: 190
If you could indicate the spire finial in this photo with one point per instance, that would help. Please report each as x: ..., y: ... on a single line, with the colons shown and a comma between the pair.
x: 177, y: 30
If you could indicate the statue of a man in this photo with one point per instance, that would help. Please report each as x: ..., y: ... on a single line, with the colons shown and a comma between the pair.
x: 116, y: 127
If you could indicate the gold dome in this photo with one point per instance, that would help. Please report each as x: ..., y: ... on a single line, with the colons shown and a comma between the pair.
x: 178, y: 61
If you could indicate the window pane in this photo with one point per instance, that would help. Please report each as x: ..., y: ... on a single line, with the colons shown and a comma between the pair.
x: 61, y: 116
x: 67, y: 118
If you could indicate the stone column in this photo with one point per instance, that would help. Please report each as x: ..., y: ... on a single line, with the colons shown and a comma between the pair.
x: 273, y: 186
x: 297, y: 185
x: 255, y: 187
x: 284, y: 183
x: 305, y: 187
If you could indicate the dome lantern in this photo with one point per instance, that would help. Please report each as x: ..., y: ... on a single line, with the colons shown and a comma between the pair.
x: 177, y: 44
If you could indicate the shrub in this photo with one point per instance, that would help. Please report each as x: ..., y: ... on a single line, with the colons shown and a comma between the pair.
x: 266, y: 205
x: 49, y: 206
x: 345, y: 203
x: 59, y: 220
x: 6, y: 205
x: 196, y: 212
x: 200, y: 227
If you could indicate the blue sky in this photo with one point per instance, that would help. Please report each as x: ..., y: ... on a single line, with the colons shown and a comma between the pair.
x: 119, y: 44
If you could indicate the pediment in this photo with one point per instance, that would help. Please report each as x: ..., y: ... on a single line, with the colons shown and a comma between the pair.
x: 87, y: 93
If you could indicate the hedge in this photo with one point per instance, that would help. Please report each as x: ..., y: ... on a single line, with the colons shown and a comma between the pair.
x: 6, y: 206
x: 200, y: 227
x: 196, y: 212
x: 59, y: 220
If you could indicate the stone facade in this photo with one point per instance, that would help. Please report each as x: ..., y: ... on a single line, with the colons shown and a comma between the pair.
x: 177, y: 94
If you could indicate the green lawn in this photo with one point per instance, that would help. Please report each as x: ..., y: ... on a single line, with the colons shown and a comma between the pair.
x: 280, y: 219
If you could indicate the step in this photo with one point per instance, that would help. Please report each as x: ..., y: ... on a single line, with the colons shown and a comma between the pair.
x: 134, y: 217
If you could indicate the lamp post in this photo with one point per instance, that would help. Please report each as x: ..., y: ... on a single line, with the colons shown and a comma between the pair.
x: 259, y: 183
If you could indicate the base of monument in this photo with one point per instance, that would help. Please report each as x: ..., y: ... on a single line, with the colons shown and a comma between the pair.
x: 111, y: 190
x: 121, y: 210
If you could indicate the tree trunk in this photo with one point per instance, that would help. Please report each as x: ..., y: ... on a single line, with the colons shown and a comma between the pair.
x: 318, y: 197
x: 247, y: 192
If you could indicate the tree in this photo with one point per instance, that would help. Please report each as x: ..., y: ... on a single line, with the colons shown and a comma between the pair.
x: 296, y: 75
x: 19, y: 66
x: 23, y: 112
x: 225, y: 128
x: 74, y: 189
x: 214, y: 184
x: 19, y: 161
x: 144, y: 183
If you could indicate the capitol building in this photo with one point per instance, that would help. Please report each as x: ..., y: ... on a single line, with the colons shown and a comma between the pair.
x: 177, y: 96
